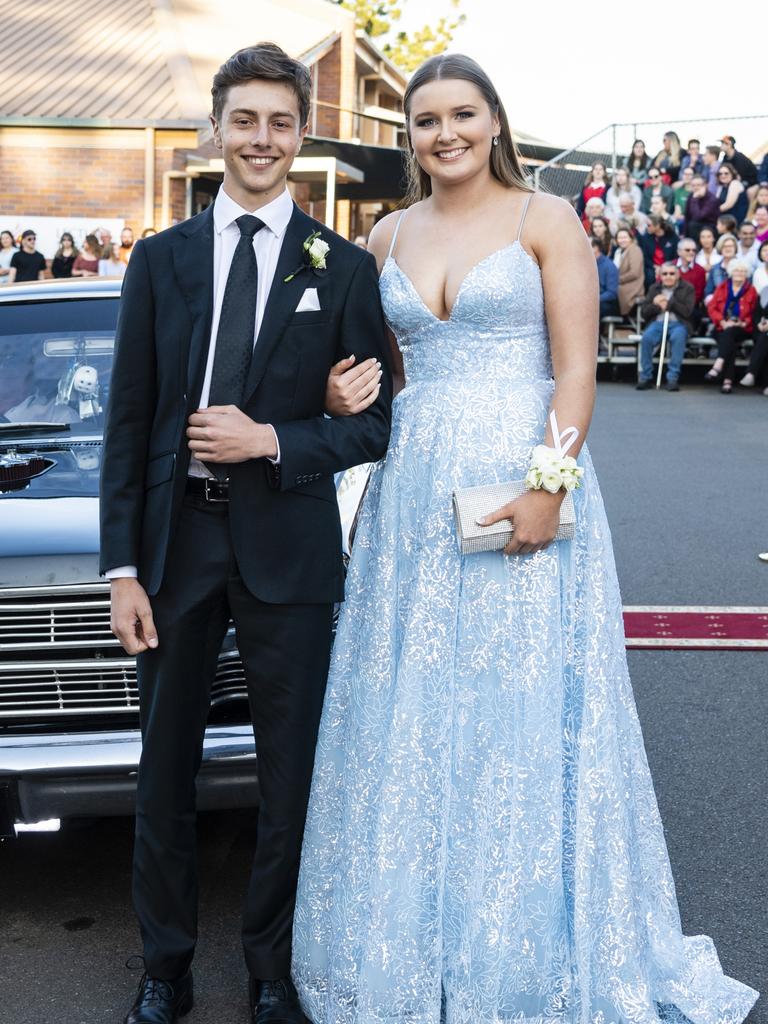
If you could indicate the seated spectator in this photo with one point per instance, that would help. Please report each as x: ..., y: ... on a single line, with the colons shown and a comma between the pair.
x: 726, y: 225
x: 659, y: 245
x: 602, y: 232
x: 595, y: 208
x: 629, y: 261
x: 743, y: 167
x: 707, y: 256
x: 761, y: 224
x: 65, y: 256
x: 637, y: 163
x: 87, y: 262
x: 654, y: 186
x: 701, y: 209
x: 726, y: 247
x: 760, y: 199
x: 126, y: 244
x: 693, y: 158
x: 757, y: 373
x: 676, y: 297
x: 114, y: 266
x: 690, y: 270
x: 27, y: 264
x: 748, y: 246
x: 681, y: 191
x: 732, y: 195
x: 7, y: 249
x: 658, y: 208
x: 629, y: 215
x: 621, y: 184
x: 595, y: 187
x: 711, y: 158
x: 608, y: 278
x: 731, y: 310
x: 669, y: 157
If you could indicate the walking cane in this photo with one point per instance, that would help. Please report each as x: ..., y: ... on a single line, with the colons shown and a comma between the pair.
x: 664, y: 329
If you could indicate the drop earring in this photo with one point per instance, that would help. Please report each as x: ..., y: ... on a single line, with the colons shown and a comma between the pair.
x: 495, y: 140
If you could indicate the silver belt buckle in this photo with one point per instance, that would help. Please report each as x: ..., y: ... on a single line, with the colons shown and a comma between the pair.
x: 208, y: 496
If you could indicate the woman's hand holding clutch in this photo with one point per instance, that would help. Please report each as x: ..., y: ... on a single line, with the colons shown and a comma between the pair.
x: 535, y: 516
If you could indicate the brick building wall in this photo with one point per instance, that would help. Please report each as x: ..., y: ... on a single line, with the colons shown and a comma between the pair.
x: 328, y: 72
x: 81, y: 173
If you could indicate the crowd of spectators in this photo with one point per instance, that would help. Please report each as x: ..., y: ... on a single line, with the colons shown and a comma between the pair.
x: 98, y: 256
x: 685, y: 233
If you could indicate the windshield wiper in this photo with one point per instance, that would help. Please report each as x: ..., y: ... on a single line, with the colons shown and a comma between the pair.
x: 7, y: 429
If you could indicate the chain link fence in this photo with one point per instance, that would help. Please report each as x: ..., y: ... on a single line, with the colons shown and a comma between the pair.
x: 565, y: 174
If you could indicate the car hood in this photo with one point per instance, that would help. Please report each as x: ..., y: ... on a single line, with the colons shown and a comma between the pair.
x: 48, y: 526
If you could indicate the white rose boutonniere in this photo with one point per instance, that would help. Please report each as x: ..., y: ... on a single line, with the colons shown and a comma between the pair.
x: 314, y: 254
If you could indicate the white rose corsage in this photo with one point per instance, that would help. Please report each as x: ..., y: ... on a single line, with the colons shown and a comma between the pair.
x: 314, y: 254
x: 552, y: 469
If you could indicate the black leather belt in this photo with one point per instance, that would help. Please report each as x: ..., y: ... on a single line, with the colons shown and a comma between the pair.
x: 208, y: 489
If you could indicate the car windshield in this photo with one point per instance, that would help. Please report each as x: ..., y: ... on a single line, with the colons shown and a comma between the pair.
x: 55, y: 363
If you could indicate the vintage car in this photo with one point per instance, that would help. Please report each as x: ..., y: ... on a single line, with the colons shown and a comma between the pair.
x: 69, y: 720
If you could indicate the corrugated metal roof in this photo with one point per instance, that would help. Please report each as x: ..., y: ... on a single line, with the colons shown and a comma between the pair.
x: 140, y: 60
x: 110, y: 64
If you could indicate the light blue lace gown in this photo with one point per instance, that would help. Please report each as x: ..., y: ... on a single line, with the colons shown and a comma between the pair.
x: 483, y: 843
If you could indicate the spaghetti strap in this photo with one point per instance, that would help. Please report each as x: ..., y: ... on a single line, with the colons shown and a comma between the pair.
x: 522, y: 218
x: 400, y: 220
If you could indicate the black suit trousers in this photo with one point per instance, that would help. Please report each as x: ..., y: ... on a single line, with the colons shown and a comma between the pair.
x: 285, y: 651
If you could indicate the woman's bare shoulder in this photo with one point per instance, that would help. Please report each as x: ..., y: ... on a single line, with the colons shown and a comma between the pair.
x: 552, y: 210
x: 380, y: 238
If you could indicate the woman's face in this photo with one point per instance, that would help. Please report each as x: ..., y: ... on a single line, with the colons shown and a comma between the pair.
x: 706, y: 238
x: 638, y: 149
x: 621, y: 177
x: 687, y: 176
x: 623, y: 239
x: 763, y: 254
x: 739, y: 276
x: 66, y: 240
x: 728, y: 250
x: 667, y: 142
x: 761, y: 217
x: 724, y: 176
x: 598, y: 172
x: 762, y: 195
x: 657, y: 204
x: 452, y: 130
x: 599, y: 227
x: 6, y: 240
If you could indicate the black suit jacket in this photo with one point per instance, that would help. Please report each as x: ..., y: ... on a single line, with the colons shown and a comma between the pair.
x: 284, y: 523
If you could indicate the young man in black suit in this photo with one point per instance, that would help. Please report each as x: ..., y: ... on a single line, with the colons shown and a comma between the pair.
x: 218, y: 501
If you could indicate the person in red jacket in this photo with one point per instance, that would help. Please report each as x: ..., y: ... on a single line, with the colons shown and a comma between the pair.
x: 731, y: 311
x: 690, y: 270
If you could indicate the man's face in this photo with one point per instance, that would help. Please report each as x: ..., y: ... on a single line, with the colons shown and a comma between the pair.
x: 747, y: 235
x: 28, y: 243
x: 708, y: 158
x: 693, y: 151
x: 259, y: 136
x: 627, y: 206
x: 687, y: 252
x: 669, y: 276
x: 699, y: 187
x: 126, y: 238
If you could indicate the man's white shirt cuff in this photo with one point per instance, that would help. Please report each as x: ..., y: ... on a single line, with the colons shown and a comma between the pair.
x: 122, y: 572
x: 276, y: 460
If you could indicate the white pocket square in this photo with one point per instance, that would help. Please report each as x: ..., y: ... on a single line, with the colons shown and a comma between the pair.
x: 308, y: 302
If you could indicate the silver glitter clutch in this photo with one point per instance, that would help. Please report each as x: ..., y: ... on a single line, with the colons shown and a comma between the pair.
x: 471, y: 503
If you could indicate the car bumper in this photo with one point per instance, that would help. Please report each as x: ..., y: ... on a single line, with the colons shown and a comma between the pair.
x: 93, y: 774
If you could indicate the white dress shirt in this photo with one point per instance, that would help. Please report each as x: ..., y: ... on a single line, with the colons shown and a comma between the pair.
x: 266, y: 245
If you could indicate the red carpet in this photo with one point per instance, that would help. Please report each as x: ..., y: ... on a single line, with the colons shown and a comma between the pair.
x: 703, y: 628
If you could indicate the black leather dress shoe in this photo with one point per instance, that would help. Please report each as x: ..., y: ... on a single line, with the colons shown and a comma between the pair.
x: 161, y: 1002
x: 275, y: 1002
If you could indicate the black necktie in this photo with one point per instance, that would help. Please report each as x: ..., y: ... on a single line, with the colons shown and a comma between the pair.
x: 237, y: 323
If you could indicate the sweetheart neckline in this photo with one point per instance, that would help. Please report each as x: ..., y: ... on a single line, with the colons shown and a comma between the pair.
x: 472, y: 269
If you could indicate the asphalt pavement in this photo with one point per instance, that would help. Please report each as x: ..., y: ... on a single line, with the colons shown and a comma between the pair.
x: 685, y: 486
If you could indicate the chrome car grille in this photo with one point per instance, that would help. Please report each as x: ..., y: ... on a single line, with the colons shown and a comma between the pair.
x: 58, y: 657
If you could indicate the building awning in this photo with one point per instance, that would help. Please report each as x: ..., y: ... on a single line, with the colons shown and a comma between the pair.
x: 381, y: 166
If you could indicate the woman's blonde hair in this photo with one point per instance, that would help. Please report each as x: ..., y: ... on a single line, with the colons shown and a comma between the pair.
x: 723, y: 239
x: 505, y: 162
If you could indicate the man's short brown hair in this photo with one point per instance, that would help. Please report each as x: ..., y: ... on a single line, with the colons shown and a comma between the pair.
x: 264, y: 61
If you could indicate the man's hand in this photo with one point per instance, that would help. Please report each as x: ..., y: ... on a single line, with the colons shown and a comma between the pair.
x: 351, y: 389
x: 535, y: 517
x: 660, y: 301
x: 131, y: 619
x: 223, y: 433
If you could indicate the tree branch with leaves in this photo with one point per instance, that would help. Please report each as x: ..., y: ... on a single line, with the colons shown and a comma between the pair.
x: 406, y: 49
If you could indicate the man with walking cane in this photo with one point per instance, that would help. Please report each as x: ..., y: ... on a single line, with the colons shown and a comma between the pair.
x: 667, y: 312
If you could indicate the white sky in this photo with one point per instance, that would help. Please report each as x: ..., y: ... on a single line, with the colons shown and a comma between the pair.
x: 566, y: 69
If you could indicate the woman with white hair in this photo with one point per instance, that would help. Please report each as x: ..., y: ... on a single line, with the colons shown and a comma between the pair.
x: 727, y: 248
x: 731, y: 311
